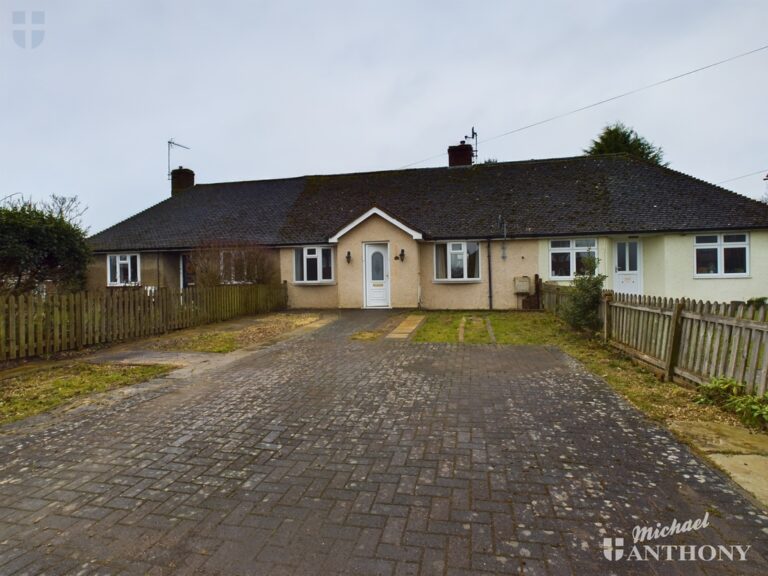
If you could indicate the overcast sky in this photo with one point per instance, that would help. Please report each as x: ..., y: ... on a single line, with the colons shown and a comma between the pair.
x: 280, y: 89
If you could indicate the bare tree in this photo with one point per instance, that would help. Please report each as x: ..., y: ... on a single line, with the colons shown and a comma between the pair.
x: 222, y: 263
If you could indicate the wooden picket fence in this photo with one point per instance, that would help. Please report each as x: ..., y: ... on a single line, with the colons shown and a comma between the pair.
x: 32, y: 325
x: 553, y: 296
x: 691, y: 340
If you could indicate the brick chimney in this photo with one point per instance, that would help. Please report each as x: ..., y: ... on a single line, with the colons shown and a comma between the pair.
x: 460, y: 155
x: 182, y: 179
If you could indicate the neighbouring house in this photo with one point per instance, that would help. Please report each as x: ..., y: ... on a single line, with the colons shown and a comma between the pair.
x: 463, y: 236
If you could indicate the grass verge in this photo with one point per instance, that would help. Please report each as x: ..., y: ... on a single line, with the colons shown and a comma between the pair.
x: 661, y: 401
x: 31, y: 391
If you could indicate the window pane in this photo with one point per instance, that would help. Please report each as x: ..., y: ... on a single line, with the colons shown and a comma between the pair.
x: 457, y: 265
x: 327, y: 265
x: 457, y: 247
x: 633, y: 256
x: 473, y: 260
x: 226, y: 266
x: 441, y: 251
x: 735, y: 260
x: 298, y: 264
x: 123, y: 272
x: 585, y: 243
x: 735, y: 238
x: 706, y: 239
x: 311, y: 251
x: 581, y: 257
x: 134, y: 274
x: 561, y: 264
x: 560, y: 243
x: 706, y: 261
x: 377, y: 266
x: 238, y: 261
x: 312, y: 268
x: 621, y: 256
x: 113, y: 269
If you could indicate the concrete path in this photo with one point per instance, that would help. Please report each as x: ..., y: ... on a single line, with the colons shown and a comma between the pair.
x: 322, y: 455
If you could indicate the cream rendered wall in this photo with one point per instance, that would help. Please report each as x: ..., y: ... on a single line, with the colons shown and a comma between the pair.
x: 521, y: 260
x: 403, y: 276
x: 307, y: 296
x: 156, y: 269
x: 654, y: 267
x: 679, y: 268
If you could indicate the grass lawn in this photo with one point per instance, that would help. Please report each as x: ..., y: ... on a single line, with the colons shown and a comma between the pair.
x: 662, y: 401
x: 222, y: 340
x: 28, y: 391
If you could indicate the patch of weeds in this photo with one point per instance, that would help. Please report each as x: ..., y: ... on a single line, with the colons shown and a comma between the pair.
x: 366, y: 336
x: 728, y: 393
x: 36, y: 391
x: 222, y: 341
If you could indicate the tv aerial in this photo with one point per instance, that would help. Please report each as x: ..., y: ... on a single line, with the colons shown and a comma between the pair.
x: 172, y: 144
x: 473, y: 136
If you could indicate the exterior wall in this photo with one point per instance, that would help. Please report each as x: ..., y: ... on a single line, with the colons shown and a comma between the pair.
x: 403, y: 276
x: 678, y: 278
x: 307, y: 296
x: 521, y: 260
x: 654, y: 267
x: 157, y: 269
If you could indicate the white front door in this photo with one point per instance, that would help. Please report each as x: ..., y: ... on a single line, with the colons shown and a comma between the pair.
x: 629, y: 267
x: 376, y: 276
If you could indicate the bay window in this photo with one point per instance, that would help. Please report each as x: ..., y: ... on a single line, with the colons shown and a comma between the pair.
x: 457, y: 261
x: 313, y: 264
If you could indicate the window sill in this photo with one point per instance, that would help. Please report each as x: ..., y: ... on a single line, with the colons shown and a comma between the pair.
x: 721, y: 276
x: 469, y: 281
x: 131, y: 285
x: 319, y: 283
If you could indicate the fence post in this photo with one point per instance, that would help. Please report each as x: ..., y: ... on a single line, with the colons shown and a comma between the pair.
x: 673, y: 342
x: 607, y: 299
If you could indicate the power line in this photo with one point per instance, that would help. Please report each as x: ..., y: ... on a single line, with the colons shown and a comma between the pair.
x: 764, y: 170
x: 605, y: 101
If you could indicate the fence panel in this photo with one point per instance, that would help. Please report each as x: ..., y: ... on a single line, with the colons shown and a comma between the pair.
x: 691, y: 340
x: 33, y: 325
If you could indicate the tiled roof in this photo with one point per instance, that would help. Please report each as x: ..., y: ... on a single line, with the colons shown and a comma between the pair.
x: 566, y: 196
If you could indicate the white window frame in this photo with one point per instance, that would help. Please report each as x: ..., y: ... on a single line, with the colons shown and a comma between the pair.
x: 121, y: 258
x: 319, y: 258
x: 721, y: 245
x: 571, y: 249
x: 448, y: 253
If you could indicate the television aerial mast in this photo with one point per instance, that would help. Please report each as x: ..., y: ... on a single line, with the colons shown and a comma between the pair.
x: 171, y: 144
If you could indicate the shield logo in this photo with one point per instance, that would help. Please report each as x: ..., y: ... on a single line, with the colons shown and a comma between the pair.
x: 27, y: 28
x: 613, y: 548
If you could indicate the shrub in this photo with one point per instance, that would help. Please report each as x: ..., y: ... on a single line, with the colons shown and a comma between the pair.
x: 719, y: 391
x: 582, y: 309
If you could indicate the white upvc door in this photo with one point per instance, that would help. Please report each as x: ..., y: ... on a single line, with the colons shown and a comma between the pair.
x: 628, y: 269
x: 376, y: 276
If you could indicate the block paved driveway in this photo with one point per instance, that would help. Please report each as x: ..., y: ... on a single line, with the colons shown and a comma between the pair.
x: 321, y: 455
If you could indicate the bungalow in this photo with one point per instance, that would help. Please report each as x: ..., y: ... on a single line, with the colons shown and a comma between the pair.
x: 463, y: 236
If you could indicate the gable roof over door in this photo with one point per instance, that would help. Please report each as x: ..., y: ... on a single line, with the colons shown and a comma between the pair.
x: 415, y: 234
x: 583, y: 195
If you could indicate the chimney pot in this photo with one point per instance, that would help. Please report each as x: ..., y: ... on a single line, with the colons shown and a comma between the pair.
x: 460, y: 155
x: 182, y: 179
